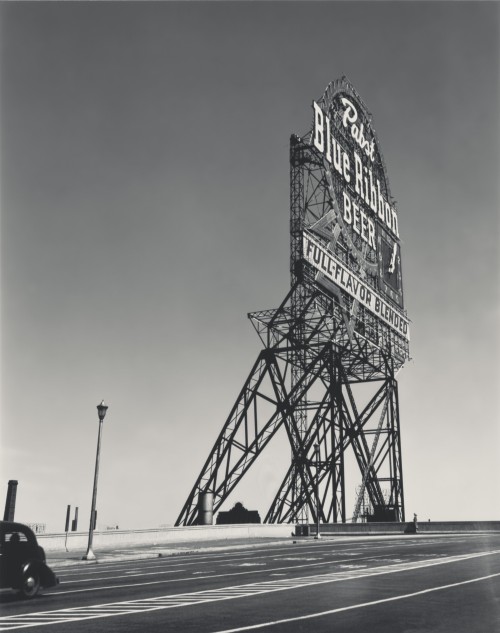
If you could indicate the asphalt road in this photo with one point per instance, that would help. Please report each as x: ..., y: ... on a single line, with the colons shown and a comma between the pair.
x: 402, y: 584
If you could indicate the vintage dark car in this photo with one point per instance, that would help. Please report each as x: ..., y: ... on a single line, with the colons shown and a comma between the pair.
x: 22, y: 561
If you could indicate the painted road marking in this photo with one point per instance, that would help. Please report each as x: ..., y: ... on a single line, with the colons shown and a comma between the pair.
x: 358, y: 606
x: 92, y: 574
x: 296, y: 558
x: 77, y: 614
x: 324, y: 548
x: 130, y: 574
x: 212, y: 575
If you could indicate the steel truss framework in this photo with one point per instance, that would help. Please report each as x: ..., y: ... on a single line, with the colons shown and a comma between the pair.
x: 319, y: 348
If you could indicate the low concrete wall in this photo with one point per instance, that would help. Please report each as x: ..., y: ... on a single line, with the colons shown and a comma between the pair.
x: 163, y: 536
x: 128, y: 538
x: 399, y: 528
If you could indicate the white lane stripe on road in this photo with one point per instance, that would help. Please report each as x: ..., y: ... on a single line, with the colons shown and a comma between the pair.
x: 361, y: 605
x: 196, y: 576
x: 128, y: 575
x: 194, y: 559
x: 129, y: 607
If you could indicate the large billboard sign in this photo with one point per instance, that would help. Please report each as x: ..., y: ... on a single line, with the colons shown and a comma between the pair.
x: 361, y: 256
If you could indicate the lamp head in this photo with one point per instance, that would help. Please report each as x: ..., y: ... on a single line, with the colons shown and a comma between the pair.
x: 101, y: 410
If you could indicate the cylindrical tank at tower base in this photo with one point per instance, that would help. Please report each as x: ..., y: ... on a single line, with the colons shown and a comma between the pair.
x: 206, y: 508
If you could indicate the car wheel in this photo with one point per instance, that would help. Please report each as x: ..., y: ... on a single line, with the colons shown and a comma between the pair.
x: 30, y: 583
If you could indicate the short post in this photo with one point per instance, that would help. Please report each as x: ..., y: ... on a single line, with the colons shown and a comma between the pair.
x: 316, y: 452
x: 66, y: 527
x: 74, y: 523
x: 10, y: 502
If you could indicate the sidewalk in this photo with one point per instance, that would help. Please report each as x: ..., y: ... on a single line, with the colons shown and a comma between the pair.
x: 141, y: 552
x: 63, y: 559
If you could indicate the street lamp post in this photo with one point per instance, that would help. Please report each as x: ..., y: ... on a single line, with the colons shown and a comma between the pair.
x: 316, y: 452
x: 101, y: 412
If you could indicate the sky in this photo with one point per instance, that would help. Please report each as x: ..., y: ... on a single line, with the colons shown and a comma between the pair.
x: 144, y: 183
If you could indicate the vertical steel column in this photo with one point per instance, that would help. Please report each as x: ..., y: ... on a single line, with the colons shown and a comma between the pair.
x: 397, y: 466
x: 297, y: 302
x: 338, y: 488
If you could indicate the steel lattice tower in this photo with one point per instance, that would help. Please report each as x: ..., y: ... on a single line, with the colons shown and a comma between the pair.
x: 319, y: 346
